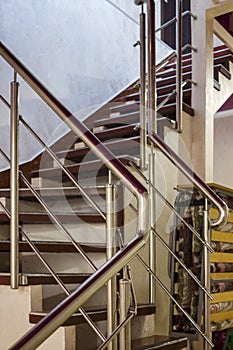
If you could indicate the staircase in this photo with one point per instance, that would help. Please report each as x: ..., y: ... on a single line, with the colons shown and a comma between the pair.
x: 117, y: 126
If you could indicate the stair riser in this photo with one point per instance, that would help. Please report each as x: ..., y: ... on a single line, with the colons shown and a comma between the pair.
x: 63, y: 263
x: 60, y: 205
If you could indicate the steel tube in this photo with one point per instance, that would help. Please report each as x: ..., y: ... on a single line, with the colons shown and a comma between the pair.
x: 143, y: 124
x: 151, y: 62
x: 125, y: 334
x: 179, y: 92
x: 206, y: 257
x: 14, y: 185
x: 111, y: 250
x: 152, y: 242
x: 195, y: 179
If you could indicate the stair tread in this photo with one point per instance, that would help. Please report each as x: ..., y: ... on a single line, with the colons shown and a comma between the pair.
x: 119, y: 131
x: 129, y: 118
x: 25, y: 193
x: 84, y: 167
x: 131, y: 144
x: 97, y: 313
x: 219, y: 68
x: 43, y: 278
x: 170, y: 109
x: 158, y: 341
x: 54, y: 247
x: 221, y: 316
x: 34, y: 218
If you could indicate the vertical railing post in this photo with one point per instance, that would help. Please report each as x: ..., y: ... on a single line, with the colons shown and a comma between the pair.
x: 152, y: 123
x: 206, y: 256
x: 179, y: 94
x: 152, y: 242
x: 14, y: 185
x: 143, y: 124
x: 111, y: 250
x: 125, y: 333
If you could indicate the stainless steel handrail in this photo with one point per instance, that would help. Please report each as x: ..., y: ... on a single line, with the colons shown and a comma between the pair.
x: 64, y: 310
x: 195, y: 179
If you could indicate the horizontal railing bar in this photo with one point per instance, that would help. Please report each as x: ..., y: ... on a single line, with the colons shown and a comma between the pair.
x: 63, y: 167
x: 195, y: 179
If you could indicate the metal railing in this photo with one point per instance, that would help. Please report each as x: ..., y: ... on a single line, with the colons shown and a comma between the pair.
x: 120, y: 259
x: 75, y: 300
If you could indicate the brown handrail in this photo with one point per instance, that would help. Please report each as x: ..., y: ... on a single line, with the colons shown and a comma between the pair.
x: 64, y: 310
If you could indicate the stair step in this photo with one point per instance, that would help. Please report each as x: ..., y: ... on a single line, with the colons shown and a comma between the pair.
x: 125, y: 108
x: 223, y: 70
x: 42, y: 278
x: 172, y: 79
x: 186, y: 96
x: 123, y: 131
x: 54, y: 247
x: 39, y: 218
x: 169, y: 110
x: 25, y: 193
x: 159, y: 342
x: 116, y: 146
x: 98, y: 313
x: 86, y: 169
x: 126, y: 119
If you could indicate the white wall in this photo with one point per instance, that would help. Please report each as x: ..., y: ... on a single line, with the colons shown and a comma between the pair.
x: 81, y: 50
x: 223, y: 149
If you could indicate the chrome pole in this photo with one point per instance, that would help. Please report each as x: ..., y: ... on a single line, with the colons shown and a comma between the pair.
x: 111, y: 250
x: 143, y: 126
x: 152, y: 224
x: 151, y: 63
x: 14, y: 180
x: 206, y: 275
x: 179, y: 94
x: 125, y: 334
